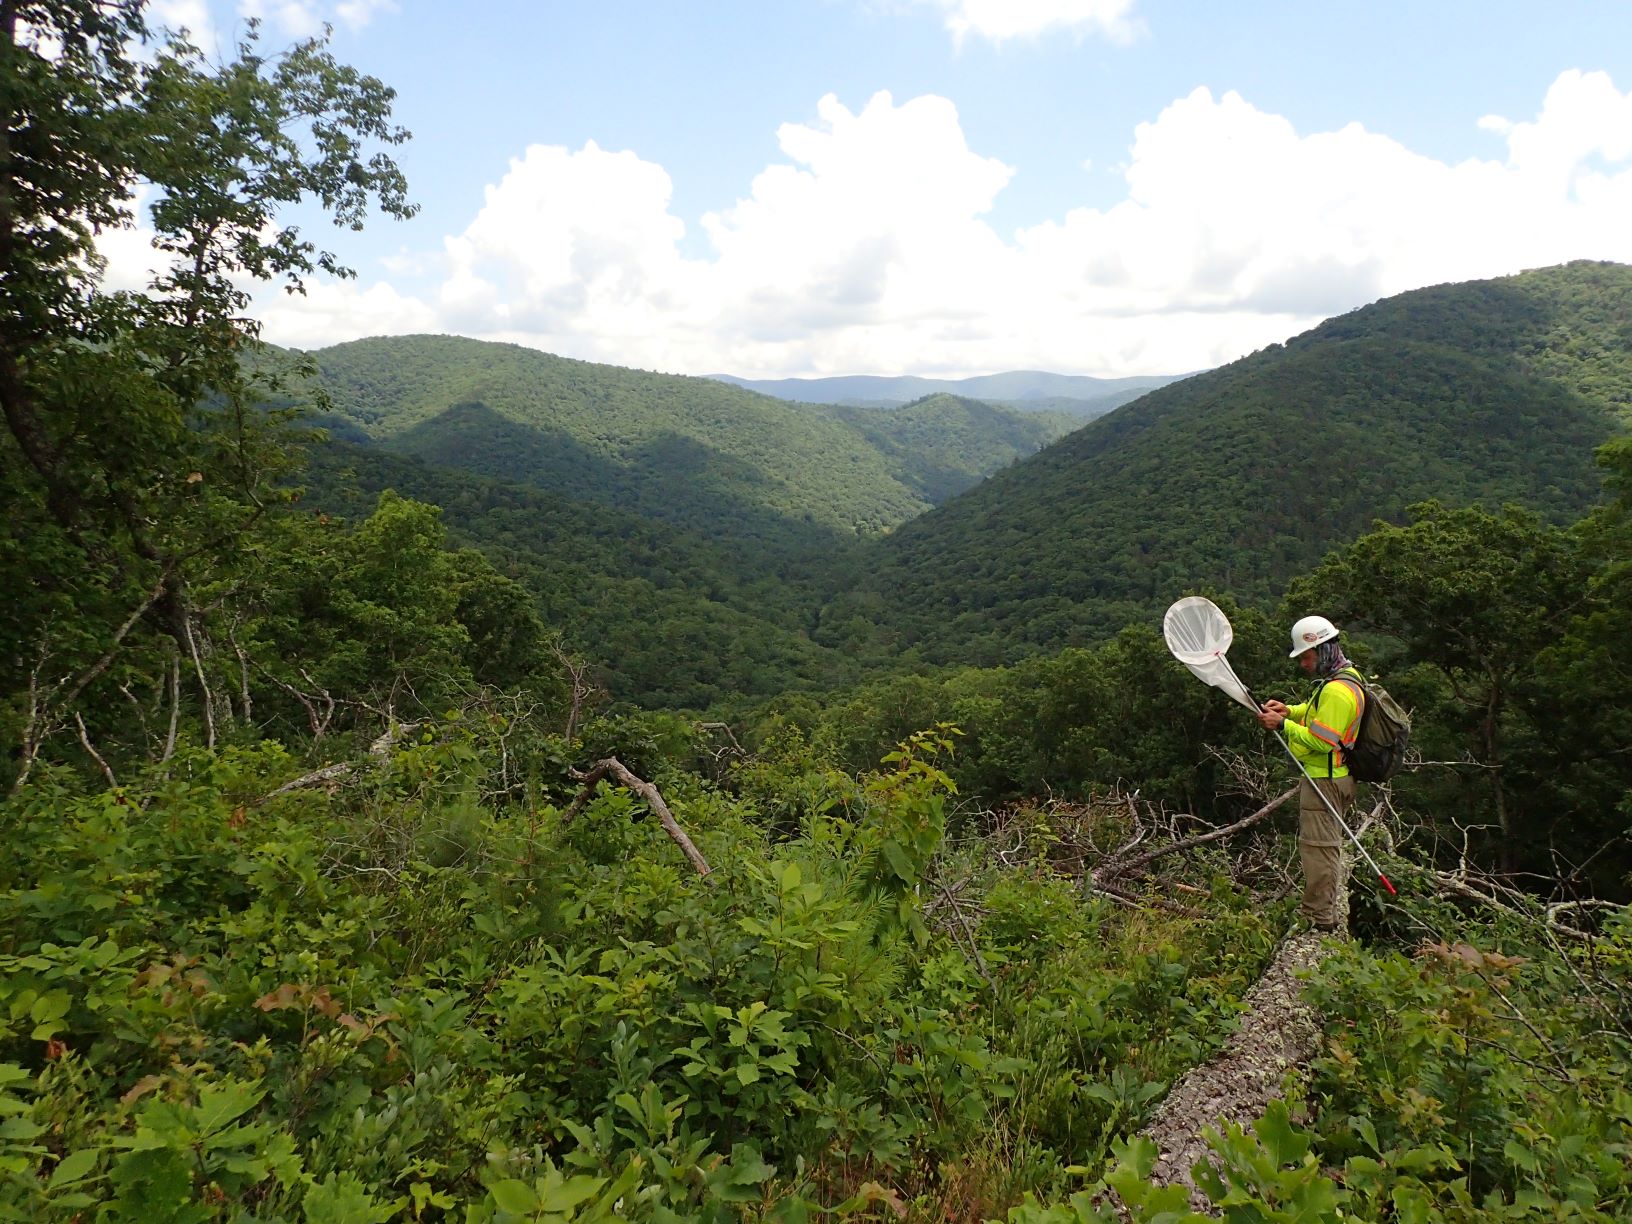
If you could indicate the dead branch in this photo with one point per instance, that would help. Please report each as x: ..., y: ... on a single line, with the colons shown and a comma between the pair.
x: 1253, y: 777
x: 1458, y: 885
x: 723, y: 753
x: 1561, y: 1070
x: 85, y: 740
x: 1557, y: 1072
x: 43, y: 716
x: 141, y: 714
x: 1466, y: 763
x: 729, y: 734
x: 969, y: 934
x: 381, y: 747
x: 175, y: 706
x: 243, y: 677
x: 203, y: 682
x: 101, y: 665
x: 952, y: 893
x: 317, y: 720
x: 1119, y: 865
x: 582, y: 687
x: 389, y: 739
x: 612, y: 767
x: 317, y: 777
x: 1276, y: 1037
x: 35, y: 729
x: 1564, y: 907
x: 1133, y: 901
x: 1611, y: 984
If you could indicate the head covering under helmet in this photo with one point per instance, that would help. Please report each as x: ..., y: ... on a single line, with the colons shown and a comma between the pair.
x: 1329, y: 659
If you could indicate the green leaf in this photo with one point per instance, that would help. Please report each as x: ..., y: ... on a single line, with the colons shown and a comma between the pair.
x: 20, y: 1128
x: 570, y: 1193
x: 74, y: 1166
x: 514, y: 1196
x: 1423, y: 1158
x: 1363, y: 1127
x: 1412, y: 1205
x: 50, y: 1006
x: 899, y: 862
x: 156, y: 1184
x: 342, y: 1198
x: 748, y: 1167
x: 219, y: 1104
x: 1521, y: 1156
x: 1285, y: 1144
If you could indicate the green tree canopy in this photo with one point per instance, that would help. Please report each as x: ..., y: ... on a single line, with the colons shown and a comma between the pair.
x: 1474, y: 597
x: 135, y: 460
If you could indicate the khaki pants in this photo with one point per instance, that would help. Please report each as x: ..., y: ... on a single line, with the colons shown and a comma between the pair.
x: 1320, y: 846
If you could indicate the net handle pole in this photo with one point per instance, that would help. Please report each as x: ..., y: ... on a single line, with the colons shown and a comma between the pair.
x: 1281, y: 739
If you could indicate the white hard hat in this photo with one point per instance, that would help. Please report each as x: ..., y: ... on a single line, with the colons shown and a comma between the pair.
x: 1310, y: 632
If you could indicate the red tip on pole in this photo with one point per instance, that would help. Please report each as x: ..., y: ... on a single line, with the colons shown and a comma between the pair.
x: 1387, y: 885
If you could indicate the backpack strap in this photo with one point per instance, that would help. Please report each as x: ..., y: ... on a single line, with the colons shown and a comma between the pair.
x: 1356, y: 682
x: 1309, y: 717
x: 1351, y: 677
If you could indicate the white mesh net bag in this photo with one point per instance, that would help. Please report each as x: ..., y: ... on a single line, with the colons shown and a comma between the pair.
x: 1199, y: 636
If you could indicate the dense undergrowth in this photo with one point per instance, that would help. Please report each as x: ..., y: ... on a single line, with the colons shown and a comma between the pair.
x: 390, y: 999
x: 393, y: 1001
x: 1456, y: 1082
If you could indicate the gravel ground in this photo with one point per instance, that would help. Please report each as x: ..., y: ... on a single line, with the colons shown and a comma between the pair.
x: 1278, y: 1033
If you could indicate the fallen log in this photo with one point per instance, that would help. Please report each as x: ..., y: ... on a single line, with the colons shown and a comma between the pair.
x: 1277, y: 1036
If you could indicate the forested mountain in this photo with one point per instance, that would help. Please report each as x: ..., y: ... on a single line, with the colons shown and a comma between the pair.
x: 668, y: 617
x: 1238, y: 479
x: 1020, y: 388
x: 690, y: 451
x: 942, y: 444
x: 671, y: 616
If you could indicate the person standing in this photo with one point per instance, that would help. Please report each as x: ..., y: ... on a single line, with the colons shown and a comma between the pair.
x: 1319, y: 732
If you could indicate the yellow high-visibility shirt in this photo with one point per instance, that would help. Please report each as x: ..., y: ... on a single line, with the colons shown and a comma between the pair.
x: 1321, y: 729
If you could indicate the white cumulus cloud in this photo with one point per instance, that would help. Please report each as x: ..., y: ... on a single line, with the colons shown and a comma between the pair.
x: 304, y: 18
x: 578, y: 247
x: 1002, y: 20
x: 867, y: 246
x: 874, y: 222
x: 214, y: 26
x: 331, y: 311
x: 194, y: 16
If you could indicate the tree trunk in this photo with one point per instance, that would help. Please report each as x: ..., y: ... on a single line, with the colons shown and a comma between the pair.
x: 1492, y: 735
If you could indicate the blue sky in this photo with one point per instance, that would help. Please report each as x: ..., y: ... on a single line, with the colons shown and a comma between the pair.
x: 953, y: 187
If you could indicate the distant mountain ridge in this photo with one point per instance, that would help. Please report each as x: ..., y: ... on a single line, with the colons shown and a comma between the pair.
x: 708, y: 540
x: 1238, y: 479
x: 1076, y: 393
x: 693, y: 452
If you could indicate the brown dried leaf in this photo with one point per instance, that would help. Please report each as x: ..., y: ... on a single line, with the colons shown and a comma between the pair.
x: 141, y: 1088
x: 287, y: 995
x: 872, y: 1192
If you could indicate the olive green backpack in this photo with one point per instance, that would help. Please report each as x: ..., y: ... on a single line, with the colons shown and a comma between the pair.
x: 1385, y: 730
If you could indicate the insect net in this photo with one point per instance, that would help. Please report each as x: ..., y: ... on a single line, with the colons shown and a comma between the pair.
x: 1199, y: 636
